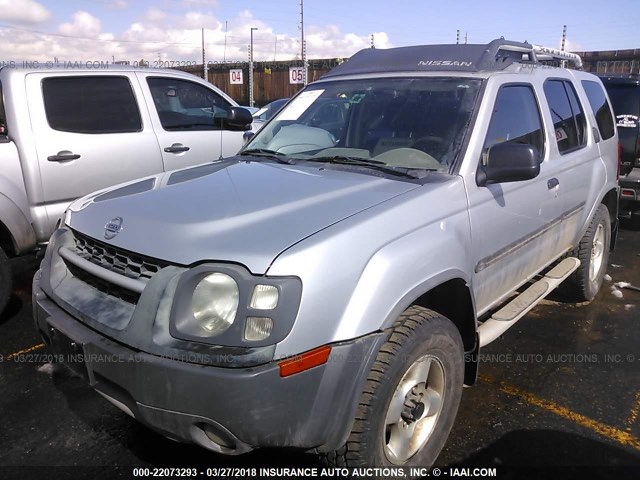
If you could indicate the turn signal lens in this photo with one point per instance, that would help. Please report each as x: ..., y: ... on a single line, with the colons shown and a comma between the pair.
x: 305, y: 361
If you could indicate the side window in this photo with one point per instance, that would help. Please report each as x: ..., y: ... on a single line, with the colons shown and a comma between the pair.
x: 91, y: 104
x: 184, y: 105
x: 600, y: 107
x: 515, y: 119
x: 569, y: 121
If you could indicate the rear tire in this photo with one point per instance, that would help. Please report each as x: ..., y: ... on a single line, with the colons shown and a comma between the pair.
x: 593, y: 253
x: 411, y: 396
x: 5, y: 280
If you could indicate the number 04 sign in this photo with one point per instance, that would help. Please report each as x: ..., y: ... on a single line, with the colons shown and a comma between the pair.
x: 236, y: 77
x: 296, y: 75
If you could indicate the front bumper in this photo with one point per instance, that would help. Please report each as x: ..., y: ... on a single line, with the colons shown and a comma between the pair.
x: 227, y: 410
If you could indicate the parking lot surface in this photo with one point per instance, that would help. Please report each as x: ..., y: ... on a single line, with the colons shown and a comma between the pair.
x: 558, y: 393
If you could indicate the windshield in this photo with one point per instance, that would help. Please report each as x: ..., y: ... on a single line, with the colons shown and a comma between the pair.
x: 411, y: 123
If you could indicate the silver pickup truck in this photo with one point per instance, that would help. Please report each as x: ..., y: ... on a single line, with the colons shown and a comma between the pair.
x: 66, y: 132
x: 329, y: 288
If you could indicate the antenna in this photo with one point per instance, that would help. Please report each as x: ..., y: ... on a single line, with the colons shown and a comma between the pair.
x: 564, y: 36
x: 457, y: 37
x: 373, y: 41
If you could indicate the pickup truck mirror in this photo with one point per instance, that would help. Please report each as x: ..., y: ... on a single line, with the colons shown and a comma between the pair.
x: 238, y: 118
x: 509, y: 162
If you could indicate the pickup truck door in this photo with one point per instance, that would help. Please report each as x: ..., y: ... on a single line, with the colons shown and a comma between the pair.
x: 182, y: 112
x: 91, y: 132
x: 513, y: 225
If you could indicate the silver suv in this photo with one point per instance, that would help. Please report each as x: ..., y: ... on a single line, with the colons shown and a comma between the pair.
x: 329, y: 288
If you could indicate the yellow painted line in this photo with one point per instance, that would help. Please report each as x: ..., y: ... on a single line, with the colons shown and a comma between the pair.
x: 635, y: 410
x: 615, y: 434
x: 22, y: 352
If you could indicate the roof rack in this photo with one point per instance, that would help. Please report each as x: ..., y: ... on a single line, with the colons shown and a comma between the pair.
x: 494, y: 56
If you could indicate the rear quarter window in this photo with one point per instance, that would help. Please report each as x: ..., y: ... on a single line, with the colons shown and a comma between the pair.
x: 600, y: 107
x: 91, y: 104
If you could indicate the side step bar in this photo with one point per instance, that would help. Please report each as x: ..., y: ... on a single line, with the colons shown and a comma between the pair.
x: 517, y: 308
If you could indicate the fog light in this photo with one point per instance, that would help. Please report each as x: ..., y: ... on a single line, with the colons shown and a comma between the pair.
x: 265, y: 297
x: 257, y: 328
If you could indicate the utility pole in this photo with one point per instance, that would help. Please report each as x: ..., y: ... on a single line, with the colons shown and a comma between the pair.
x: 204, y: 62
x: 251, y: 68
x: 224, y: 54
x: 302, y: 44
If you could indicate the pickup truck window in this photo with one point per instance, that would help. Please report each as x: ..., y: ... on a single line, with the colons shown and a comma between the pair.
x: 98, y: 104
x: 516, y: 119
x: 568, y: 117
x: 601, y: 108
x: 184, y: 105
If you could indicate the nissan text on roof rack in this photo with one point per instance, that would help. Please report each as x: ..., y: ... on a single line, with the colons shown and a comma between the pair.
x: 329, y: 288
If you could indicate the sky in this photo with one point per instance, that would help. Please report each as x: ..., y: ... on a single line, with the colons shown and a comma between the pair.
x: 171, y: 30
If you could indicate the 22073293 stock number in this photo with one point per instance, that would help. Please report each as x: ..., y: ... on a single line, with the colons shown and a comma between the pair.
x: 164, y: 472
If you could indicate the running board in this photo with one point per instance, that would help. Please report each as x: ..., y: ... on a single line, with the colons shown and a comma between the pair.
x: 517, y: 308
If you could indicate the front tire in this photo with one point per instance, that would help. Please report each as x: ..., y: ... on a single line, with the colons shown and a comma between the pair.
x: 5, y: 280
x: 411, y: 396
x: 593, y: 253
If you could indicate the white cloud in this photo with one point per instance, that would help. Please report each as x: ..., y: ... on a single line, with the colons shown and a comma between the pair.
x: 570, y: 46
x: 200, y: 3
x: 83, y: 25
x: 23, y: 11
x: 119, y: 4
x: 178, y: 37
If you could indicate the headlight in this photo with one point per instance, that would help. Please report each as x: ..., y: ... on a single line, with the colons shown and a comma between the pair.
x: 215, y: 304
x: 226, y: 305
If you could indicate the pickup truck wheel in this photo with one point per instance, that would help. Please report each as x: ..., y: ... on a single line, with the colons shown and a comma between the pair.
x: 411, y: 396
x: 5, y: 280
x: 593, y: 253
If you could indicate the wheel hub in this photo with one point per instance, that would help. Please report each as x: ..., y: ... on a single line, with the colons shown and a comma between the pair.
x: 414, y: 407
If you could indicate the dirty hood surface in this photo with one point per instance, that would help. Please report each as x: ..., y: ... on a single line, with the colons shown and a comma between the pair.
x: 243, y: 212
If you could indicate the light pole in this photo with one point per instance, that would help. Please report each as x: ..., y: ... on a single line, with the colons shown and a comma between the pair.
x: 251, y: 68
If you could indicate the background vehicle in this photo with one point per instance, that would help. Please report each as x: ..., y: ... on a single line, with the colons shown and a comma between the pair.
x: 391, y: 220
x: 624, y: 92
x: 67, y: 132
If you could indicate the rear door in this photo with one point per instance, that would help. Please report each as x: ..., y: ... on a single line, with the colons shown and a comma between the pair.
x: 90, y: 133
x: 182, y: 112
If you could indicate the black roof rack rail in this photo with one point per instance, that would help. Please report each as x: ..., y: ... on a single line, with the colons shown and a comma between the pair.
x: 494, y: 56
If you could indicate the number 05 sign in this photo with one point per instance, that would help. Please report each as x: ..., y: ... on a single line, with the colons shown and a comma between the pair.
x: 236, y: 76
x: 296, y: 75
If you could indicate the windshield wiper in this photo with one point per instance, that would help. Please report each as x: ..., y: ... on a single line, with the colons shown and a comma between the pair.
x: 365, y: 162
x: 272, y: 154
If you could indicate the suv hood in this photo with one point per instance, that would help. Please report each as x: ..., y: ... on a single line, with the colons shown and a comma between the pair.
x: 244, y: 212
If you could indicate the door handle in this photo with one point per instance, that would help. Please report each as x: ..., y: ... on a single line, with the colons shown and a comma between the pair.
x: 553, y: 183
x: 176, y: 148
x: 63, y: 156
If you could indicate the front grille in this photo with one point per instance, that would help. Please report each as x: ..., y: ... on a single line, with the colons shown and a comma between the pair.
x: 104, y: 286
x: 117, y: 260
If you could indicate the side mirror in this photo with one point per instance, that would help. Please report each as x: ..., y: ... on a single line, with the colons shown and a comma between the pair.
x: 509, y: 162
x: 238, y: 118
